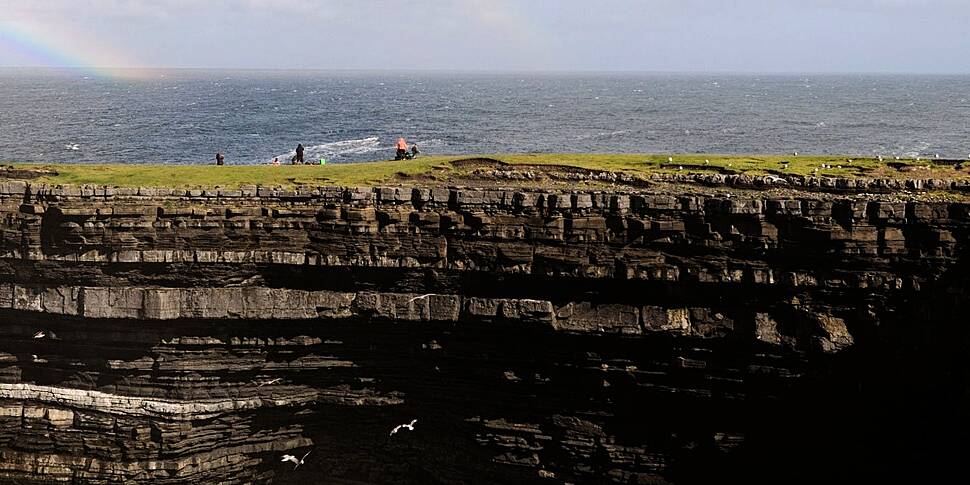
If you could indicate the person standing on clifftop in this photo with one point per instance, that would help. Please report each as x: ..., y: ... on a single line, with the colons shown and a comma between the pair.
x: 402, y: 149
x: 220, y: 159
x: 298, y: 158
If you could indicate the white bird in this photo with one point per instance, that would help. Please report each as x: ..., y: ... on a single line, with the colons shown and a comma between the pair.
x: 937, y: 155
x: 37, y: 360
x: 880, y: 158
x: 294, y: 460
x: 897, y: 158
x: 269, y: 383
x: 918, y: 159
x: 45, y: 334
x: 680, y: 167
x: 794, y: 154
x: 670, y: 159
x: 707, y: 162
x: 420, y: 297
x: 409, y: 427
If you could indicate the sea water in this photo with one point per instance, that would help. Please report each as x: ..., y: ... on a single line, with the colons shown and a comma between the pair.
x: 186, y: 116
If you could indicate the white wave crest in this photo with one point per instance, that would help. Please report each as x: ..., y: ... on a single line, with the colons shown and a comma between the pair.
x: 602, y: 135
x: 336, y: 149
x: 431, y: 143
x: 914, y: 151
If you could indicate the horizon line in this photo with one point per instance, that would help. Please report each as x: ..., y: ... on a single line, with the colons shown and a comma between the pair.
x: 493, y: 71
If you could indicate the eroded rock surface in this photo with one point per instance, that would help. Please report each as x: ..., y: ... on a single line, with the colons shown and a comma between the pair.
x: 538, y: 337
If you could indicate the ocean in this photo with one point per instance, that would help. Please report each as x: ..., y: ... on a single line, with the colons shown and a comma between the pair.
x: 186, y: 116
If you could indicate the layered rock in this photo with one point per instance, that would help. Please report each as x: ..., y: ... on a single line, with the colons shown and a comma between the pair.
x: 549, y: 337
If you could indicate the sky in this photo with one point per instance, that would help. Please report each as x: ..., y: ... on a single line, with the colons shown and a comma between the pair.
x: 806, y: 36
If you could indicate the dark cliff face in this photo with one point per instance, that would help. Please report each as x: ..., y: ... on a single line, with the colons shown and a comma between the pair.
x: 583, y: 337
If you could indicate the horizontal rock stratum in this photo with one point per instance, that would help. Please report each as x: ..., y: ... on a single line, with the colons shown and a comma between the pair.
x: 195, y: 336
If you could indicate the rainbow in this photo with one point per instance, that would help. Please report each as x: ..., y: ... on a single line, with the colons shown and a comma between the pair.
x: 34, y: 44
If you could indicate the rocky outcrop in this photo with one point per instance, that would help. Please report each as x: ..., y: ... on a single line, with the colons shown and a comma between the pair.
x: 195, y: 336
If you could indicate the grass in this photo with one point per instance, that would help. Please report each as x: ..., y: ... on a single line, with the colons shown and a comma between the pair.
x: 438, y: 167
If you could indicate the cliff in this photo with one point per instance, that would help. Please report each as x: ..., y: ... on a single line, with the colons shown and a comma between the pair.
x: 631, y: 336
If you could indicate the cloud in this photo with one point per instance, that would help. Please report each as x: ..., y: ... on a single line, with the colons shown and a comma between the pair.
x: 510, y: 34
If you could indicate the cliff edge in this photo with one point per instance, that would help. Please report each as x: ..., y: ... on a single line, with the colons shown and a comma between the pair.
x: 628, y: 335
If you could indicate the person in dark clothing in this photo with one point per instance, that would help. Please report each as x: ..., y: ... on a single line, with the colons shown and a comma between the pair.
x: 298, y: 159
x: 220, y: 159
x: 414, y: 151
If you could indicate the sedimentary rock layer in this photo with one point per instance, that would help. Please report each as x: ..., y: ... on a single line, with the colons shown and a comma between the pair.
x: 550, y: 337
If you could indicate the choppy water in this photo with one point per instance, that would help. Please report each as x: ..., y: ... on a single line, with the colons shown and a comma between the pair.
x: 187, y: 116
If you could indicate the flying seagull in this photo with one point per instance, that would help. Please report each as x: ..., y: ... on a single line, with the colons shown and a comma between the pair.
x: 294, y: 460
x: 410, y: 427
x: 269, y: 383
x: 420, y: 297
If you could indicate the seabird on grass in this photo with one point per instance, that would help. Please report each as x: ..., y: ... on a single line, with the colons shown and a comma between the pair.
x: 409, y: 427
x: 294, y: 460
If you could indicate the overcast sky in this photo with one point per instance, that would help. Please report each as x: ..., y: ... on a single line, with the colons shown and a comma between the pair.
x: 613, y: 35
